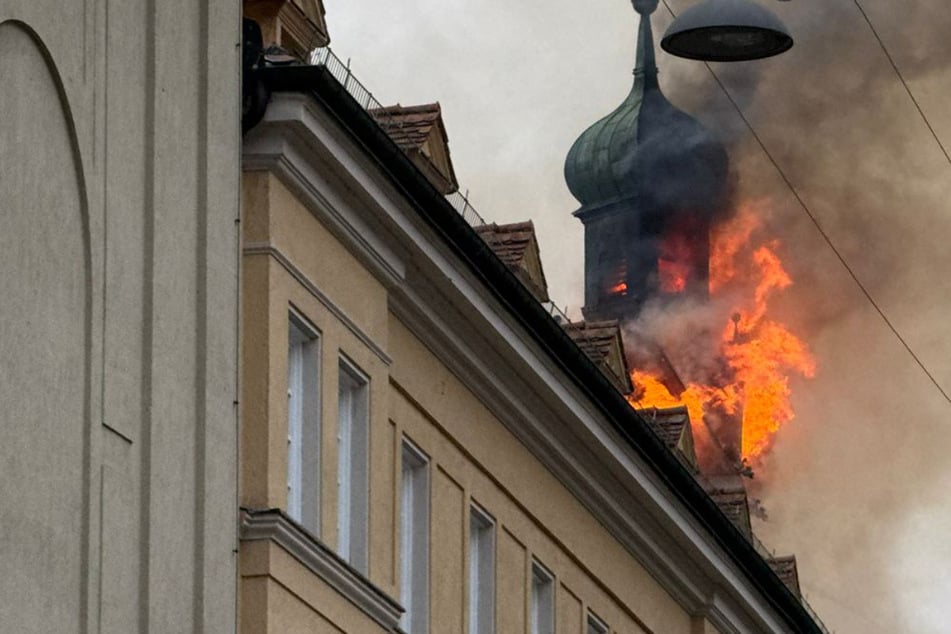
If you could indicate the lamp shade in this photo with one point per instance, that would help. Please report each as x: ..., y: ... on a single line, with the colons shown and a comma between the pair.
x: 726, y: 31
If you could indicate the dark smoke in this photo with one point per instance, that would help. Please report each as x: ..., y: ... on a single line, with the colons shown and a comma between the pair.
x: 853, y: 482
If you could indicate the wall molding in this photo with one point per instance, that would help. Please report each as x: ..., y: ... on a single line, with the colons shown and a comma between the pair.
x: 265, y: 248
x: 272, y: 525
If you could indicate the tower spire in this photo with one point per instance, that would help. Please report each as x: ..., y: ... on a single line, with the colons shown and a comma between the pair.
x: 646, y: 63
x: 645, y: 174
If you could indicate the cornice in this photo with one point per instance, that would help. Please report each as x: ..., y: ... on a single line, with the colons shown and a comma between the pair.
x: 273, y: 526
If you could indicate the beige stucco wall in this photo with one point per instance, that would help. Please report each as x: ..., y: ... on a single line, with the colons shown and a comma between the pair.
x: 294, y: 260
x: 477, y: 459
x: 118, y: 320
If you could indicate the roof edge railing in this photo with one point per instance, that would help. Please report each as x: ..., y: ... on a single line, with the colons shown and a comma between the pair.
x: 459, y: 201
x: 342, y: 73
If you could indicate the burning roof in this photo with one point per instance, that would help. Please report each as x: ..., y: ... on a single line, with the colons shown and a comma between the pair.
x: 672, y: 425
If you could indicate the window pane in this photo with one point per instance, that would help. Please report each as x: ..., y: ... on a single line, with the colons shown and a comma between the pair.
x: 543, y: 600
x: 303, y: 424
x: 414, y: 541
x: 481, y: 573
x: 596, y: 625
x: 352, y: 466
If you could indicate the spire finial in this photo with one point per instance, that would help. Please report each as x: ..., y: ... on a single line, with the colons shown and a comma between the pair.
x: 646, y: 65
x: 645, y: 7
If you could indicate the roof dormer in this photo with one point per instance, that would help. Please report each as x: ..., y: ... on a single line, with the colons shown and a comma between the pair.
x: 420, y: 132
x: 517, y: 246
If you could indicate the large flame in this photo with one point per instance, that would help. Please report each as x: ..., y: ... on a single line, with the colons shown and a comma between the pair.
x: 760, y: 353
x: 673, y: 263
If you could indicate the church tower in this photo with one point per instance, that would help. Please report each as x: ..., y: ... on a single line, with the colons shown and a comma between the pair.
x: 650, y: 179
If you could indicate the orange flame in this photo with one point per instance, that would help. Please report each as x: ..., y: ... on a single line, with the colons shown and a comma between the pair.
x: 650, y: 392
x: 672, y: 276
x: 761, y: 353
x: 619, y: 289
x: 674, y: 264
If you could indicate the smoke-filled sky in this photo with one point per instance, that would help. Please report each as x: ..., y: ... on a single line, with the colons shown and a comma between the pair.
x: 858, y: 485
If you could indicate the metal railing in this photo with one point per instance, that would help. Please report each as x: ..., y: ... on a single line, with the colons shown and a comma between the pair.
x: 342, y: 73
x: 767, y: 553
x: 458, y: 200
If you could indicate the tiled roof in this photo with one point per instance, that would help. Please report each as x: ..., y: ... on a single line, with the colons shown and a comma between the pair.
x: 734, y: 505
x: 508, y: 241
x: 669, y: 423
x: 730, y: 495
x: 786, y: 569
x: 411, y: 127
x: 598, y: 339
x: 595, y: 338
x: 408, y: 126
x: 516, y: 245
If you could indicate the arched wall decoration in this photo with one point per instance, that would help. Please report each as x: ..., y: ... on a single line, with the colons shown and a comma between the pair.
x: 46, y: 295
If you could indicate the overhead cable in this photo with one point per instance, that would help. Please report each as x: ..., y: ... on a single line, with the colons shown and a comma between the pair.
x: 815, y: 220
x: 901, y: 78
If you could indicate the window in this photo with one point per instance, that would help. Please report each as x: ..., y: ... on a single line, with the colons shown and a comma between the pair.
x: 414, y: 540
x: 303, y: 424
x: 543, y: 600
x: 353, y: 432
x: 596, y: 625
x: 481, y: 572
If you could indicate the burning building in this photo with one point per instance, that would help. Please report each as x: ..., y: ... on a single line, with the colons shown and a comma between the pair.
x: 650, y: 180
x: 662, y: 231
x: 665, y: 243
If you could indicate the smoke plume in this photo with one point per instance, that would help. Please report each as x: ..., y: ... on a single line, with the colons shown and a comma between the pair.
x: 854, y: 483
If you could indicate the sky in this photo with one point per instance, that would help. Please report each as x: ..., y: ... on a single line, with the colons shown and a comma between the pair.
x: 858, y: 485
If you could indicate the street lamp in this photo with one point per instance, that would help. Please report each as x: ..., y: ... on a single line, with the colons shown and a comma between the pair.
x: 726, y: 31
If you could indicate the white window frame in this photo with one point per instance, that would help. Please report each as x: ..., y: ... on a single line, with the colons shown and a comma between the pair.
x: 543, y: 599
x: 353, y: 444
x: 596, y: 625
x: 414, y: 539
x: 303, y: 422
x: 481, y: 571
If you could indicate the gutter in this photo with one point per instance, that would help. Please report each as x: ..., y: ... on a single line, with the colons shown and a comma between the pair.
x: 445, y: 221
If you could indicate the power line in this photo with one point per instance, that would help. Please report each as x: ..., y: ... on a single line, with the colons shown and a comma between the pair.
x: 901, y: 78
x: 815, y: 220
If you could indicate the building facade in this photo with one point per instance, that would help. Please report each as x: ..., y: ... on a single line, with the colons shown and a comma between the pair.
x: 118, y: 330
x: 423, y: 448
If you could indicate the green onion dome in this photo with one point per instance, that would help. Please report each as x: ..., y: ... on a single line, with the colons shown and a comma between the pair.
x: 647, y: 148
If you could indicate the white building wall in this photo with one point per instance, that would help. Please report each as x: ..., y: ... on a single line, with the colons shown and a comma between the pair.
x: 119, y: 143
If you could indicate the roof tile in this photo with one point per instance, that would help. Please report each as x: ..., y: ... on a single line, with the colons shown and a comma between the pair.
x: 787, y: 571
